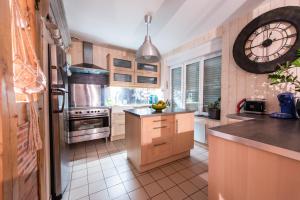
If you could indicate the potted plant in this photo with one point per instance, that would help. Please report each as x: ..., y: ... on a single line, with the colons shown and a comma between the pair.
x: 285, y: 75
x: 214, y: 109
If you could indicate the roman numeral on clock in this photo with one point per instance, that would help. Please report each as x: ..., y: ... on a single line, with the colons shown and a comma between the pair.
x: 292, y: 35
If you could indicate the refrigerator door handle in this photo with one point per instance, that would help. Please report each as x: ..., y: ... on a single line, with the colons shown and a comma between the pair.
x: 60, y: 92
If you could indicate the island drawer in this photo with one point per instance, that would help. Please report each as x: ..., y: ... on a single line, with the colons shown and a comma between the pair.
x: 159, y: 149
x: 158, y: 127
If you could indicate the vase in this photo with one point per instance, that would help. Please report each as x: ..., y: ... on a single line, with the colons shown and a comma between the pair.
x: 298, y: 107
x: 214, y: 113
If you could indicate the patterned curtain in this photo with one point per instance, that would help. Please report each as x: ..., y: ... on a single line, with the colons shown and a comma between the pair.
x: 28, y: 76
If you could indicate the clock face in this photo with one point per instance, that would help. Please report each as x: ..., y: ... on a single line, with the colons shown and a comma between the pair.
x: 270, y: 41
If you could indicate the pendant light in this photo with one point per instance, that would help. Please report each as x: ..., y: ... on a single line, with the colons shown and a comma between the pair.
x: 147, y: 52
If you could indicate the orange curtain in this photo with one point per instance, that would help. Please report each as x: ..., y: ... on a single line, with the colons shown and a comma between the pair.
x: 28, y: 76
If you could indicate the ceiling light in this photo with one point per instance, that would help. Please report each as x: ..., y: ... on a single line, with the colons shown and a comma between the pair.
x: 147, y: 52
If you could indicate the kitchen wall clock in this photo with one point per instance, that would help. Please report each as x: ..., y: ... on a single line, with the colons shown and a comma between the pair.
x: 268, y: 40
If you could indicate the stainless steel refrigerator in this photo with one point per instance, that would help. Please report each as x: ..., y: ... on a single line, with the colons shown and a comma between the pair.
x: 58, y: 109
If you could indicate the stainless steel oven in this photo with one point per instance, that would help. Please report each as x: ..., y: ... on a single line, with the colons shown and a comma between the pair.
x: 88, y: 124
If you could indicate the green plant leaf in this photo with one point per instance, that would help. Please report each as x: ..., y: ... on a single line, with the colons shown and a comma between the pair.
x: 296, y: 62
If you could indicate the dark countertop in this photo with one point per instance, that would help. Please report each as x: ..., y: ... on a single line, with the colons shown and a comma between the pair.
x: 261, y: 131
x: 148, y: 112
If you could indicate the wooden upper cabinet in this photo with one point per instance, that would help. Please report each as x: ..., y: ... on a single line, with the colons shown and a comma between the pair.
x: 76, y: 53
x: 121, y: 62
x: 99, y: 56
x: 153, y: 68
x: 147, y: 75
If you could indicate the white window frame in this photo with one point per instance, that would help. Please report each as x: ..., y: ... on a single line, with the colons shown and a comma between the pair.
x: 183, y: 66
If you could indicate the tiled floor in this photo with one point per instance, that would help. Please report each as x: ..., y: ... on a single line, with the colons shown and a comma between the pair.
x: 101, y: 171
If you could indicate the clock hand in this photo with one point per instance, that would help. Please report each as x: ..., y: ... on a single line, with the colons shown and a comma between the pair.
x: 274, y: 40
x: 254, y: 46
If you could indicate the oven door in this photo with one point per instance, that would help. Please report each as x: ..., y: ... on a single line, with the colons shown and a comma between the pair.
x: 88, y: 125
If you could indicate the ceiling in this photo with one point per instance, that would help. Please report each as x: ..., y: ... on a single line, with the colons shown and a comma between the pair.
x: 121, y: 22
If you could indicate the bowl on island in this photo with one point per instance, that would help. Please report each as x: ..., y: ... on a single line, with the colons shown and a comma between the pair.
x: 159, y: 106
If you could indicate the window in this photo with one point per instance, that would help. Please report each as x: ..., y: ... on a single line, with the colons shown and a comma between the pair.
x: 212, y: 81
x: 176, y: 87
x: 196, y: 83
x: 192, y: 86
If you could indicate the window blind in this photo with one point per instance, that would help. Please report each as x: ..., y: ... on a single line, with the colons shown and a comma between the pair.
x: 212, y: 81
x: 176, y: 75
x: 192, y: 86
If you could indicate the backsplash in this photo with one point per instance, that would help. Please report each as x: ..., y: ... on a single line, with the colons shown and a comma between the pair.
x: 130, y: 96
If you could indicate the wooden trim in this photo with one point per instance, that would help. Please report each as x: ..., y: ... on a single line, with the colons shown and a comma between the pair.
x: 8, y: 114
x: 58, y: 13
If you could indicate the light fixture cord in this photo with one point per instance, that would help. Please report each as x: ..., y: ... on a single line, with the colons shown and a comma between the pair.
x: 147, y: 29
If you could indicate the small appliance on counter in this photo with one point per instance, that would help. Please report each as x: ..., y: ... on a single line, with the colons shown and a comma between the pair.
x: 287, y: 106
x: 255, y: 106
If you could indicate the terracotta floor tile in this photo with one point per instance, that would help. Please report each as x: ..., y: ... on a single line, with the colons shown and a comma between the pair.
x: 145, y: 179
x: 166, y: 183
x: 188, y: 187
x: 153, y: 189
x: 176, y: 193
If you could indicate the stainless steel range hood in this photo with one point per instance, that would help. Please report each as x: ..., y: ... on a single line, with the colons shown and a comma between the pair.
x: 87, y: 67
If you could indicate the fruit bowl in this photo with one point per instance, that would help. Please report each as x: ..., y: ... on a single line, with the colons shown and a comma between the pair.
x: 159, y: 106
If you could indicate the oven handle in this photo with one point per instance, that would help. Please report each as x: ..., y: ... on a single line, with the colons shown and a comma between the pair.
x: 91, y: 117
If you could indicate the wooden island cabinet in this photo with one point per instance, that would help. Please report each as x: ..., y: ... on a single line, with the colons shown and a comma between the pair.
x: 154, y: 139
x: 255, y: 159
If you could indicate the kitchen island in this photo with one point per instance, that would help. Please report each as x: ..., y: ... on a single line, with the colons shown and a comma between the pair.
x: 156, y: 138
x: 257, y: 158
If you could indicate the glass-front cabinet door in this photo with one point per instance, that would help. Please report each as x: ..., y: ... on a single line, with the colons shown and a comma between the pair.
x: 144, y: 80
x: 118, y: 78
x: 148, y: 68
x: 121, y: 63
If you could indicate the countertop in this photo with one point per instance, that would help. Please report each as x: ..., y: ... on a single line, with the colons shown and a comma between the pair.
x: 263, y: 132
x: 147, y: 112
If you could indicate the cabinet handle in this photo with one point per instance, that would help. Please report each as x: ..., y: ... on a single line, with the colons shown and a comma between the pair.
x: 159, y: 120
x: 160, y: 127
x: 176, y: 125
x: 156, y: 145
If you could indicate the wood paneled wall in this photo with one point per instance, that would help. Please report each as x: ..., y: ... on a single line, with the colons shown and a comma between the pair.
x: 237, y: 83
x: 8, y: 117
